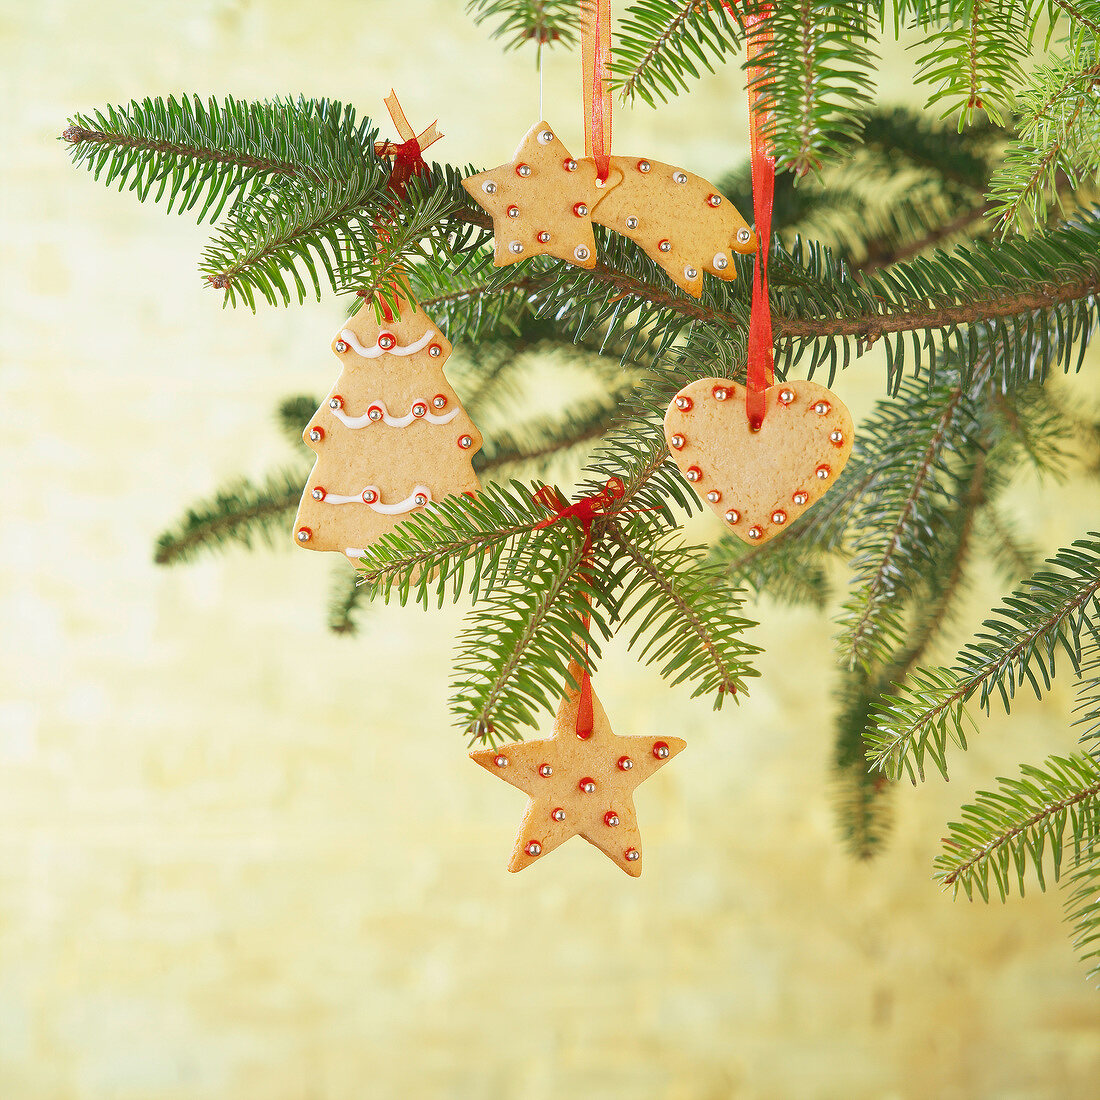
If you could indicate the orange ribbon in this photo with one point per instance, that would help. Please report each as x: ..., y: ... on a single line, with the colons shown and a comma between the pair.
x: 596, y: 82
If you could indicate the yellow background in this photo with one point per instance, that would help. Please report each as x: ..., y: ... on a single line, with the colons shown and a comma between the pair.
x: 240, y: 857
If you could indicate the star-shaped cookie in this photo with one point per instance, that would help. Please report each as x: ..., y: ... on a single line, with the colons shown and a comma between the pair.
x: 541, y: 201
x: 579, y: 786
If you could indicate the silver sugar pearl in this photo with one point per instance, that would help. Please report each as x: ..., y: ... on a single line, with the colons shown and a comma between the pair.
x: 823, y: 473
x: 581, y: 209
x: 569, y: 165
x: 786, y: 396
x: 318, y: 494
x: 546, y: 771
x: 836, y: 437
x: 714, y: 200
x: 523, y: 170
x: 374, y: 413
x: 581, y: 252
x: 543, y: 237
x: 435, y: 351
x: 515, y: 247
x: 501, y: 760
x: 694, y: 474
x: 534, y: 848
x: 340, y: 346
x: 714, y: 496
x: 661, y: 752
x: 821, y: 408
x: 315, y: 435
x: 465, y: 442
x: 690, y: 273
x: 679, y: 177
x: 489, y: 187
x: 625, y: 763
x: 677, y: 441
x: 335, y: 403
x: 721, y: 261
x: 589, y: 787
x: 439, y: 401
x: 303, y: 535
x: 632, y: 855
x: 545, y: 136
x: 611, y: 819
x: 744, y: 235
x: 632, y: 222
x: 513, y: 211
x: 733, y: 516
x: 664, y: 246
x: 644, y: 166
x: 421, y: 499
x: 800, y: 497
x: 779, y: 517
x: 755, y: 532
x: 558, y: 814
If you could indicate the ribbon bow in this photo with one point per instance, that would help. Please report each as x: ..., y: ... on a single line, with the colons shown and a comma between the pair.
x: 408, y: 154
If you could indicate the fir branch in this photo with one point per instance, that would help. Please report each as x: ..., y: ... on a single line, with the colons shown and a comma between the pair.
x: 976, y: 62
x: 292, y: 415
x: 515, y: 653
x: 817, y: 79
x: 899, y: 524
x: 203, y: 155
x: 1058, y: 117
x: 346, y: 601
x: 242, y: 513
x: 1010, y: 829
x: 1018, y: 644
x: 544, y: 22
x: 686, y: 610
x: 1082, y: 907
x: 1087, y: 706
x: 663, y: 43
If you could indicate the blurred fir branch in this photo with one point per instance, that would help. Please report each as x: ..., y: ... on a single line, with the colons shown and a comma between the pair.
x: 543, y: 22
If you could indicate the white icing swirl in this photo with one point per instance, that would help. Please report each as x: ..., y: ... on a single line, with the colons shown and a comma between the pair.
x: 402, y: 506
x: 393, y: 421
x: 352, y: 341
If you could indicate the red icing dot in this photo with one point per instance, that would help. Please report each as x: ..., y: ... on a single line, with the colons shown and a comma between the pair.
x: 419, y: 409
x: 660, y: 749
x: 625, y: 763
x: 387, y: 340
x: 611, y: 818
x: 317, y: 431
x: 587, y: 784
x: 319, y: 489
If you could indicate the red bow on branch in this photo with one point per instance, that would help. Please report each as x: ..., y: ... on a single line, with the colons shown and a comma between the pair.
x: 408, y: 154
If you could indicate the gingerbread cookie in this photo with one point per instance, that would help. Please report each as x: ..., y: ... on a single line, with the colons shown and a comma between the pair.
x: 391, y: 436
x: 758, y: 481
x: 541, y: 201
x: 579, y: 785
x: 679, y: 219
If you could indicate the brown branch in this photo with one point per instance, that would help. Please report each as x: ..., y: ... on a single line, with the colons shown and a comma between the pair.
x: 78, y: 135
x: 875, y: 261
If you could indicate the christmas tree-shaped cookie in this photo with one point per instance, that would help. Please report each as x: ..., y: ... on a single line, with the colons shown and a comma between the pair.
x: 391, y: 436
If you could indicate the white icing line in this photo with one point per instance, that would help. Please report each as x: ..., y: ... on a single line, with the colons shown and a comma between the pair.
x: 406, y: 505
x: 354, y: 552
x: 393, y: 421
x: 352, y: 341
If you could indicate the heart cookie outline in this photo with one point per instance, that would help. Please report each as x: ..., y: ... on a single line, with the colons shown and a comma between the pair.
x: 758, y: 482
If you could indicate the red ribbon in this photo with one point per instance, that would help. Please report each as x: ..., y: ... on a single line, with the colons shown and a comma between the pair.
x: 584, y: 511
x: 596, y: 82
x: 760, y: 364
x: 408, y: 154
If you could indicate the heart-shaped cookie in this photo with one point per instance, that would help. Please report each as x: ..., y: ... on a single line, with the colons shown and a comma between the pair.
x: 758, y: 481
